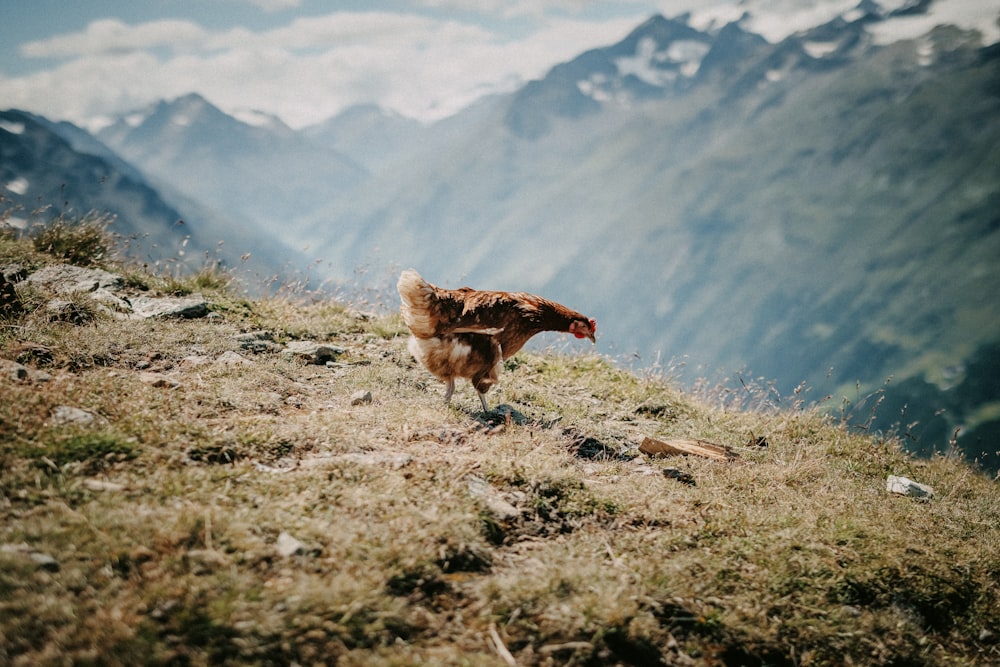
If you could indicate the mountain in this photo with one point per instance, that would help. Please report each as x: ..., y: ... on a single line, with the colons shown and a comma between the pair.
x: 264, y: 173
x: 66, y: 171
x: 40, y: 167
x: 818, y: 211
x: 369, y: 135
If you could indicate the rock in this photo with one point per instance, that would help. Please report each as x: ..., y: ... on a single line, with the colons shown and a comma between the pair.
x: 13, y: 370
x: 111, y: 302
x: 65, y: 415
x: 189, y: 307
x: 257, y: 342
x: 361, y: 397
x: 312, y: 352
x: 191, y: 361
x: 67, y: 279
x: 907, y: 487
x: 288, y: 546
x: 102, y: 485
x: 158, y: 380
x: 493, y: 499
x: 42, y: 560
x: 230, y: 358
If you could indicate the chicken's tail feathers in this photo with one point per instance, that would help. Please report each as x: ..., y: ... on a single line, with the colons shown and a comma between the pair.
x: 416, y: 295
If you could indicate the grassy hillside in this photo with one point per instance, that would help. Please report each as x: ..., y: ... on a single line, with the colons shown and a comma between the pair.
x: 208, y: 508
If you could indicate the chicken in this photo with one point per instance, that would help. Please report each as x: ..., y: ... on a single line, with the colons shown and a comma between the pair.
x: 468, y: 333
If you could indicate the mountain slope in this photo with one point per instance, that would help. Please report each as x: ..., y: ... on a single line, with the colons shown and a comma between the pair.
x: 39, y: 167
x: 265, y: 174
x: 818, y: 210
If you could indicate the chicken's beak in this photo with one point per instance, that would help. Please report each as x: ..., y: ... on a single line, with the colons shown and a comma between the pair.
x: 592, y: 337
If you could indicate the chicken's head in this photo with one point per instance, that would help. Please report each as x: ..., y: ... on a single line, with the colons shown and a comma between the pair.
x: 584, y: 329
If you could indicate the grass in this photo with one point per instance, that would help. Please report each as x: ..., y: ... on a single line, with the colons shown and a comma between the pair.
x: 164, y: 514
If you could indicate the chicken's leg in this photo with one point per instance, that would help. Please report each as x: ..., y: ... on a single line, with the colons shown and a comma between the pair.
x: 482, y: 399
x: 450, y: 390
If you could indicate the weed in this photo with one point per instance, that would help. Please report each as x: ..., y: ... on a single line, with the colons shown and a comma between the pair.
x: 84, y: 242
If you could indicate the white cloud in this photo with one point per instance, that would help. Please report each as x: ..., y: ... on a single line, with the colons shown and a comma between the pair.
x: 275, y: 5
x: 303, y: 72
x: 112, y: 36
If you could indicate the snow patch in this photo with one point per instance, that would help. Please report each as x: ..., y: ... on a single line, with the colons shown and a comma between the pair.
x: 181, y: 120
x: 592, y: 88
x: 255, y: 118
x: 18, y: 186
x: 13, y: 128
x: 925, y: 53
x: 774, y: 75
x: 819, y: 49
x: 136, y: 119
x: 646, y: 64
x: 16, y: 222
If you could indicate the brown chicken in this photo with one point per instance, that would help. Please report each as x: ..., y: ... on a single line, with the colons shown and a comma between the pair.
x: 468, y: 333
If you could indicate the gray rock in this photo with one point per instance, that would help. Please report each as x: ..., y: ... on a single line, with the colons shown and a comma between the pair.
x: 312, y: 352
x: 288, y: 545
x: 145, y: 307
x: 907, y: 487
x: 230, y: 358
x: 361, y: 397
x: 65, y: 415
x: 493, y: 500
x: 13, y: 370
x: 67, y: 279
x: 42, y: 560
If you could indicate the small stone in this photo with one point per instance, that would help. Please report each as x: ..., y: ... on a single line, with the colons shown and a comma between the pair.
x: 361, y: 397
x: 492, y: 498
x: 191, y: 361
x: 312, y: 352
x: 159, y: 380
x: 288, y: 546
x: 65, y: 415
x: 13, y: 370
x: 102, y: 485
x: 44, y: 561
x: 231, y: 358
x: 907, y: 487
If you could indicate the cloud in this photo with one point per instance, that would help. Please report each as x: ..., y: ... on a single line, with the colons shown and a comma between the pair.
x: 107, y: 36
x: 275, y: 5
x: 304, y: 71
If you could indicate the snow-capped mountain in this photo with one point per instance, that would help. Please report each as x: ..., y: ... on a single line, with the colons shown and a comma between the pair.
x: 263, y: 172
x: 40, y: 167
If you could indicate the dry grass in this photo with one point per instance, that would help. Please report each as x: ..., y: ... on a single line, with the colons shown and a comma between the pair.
x: 163, y: 515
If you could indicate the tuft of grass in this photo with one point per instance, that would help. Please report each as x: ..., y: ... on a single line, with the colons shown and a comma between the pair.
x: 98, y: 450
x: 83, y: 242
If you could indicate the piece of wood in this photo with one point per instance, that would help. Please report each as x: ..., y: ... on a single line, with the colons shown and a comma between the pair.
x: 703, y: 448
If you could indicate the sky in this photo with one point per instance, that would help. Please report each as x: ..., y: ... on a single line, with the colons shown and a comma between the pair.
x: 306, y: 60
